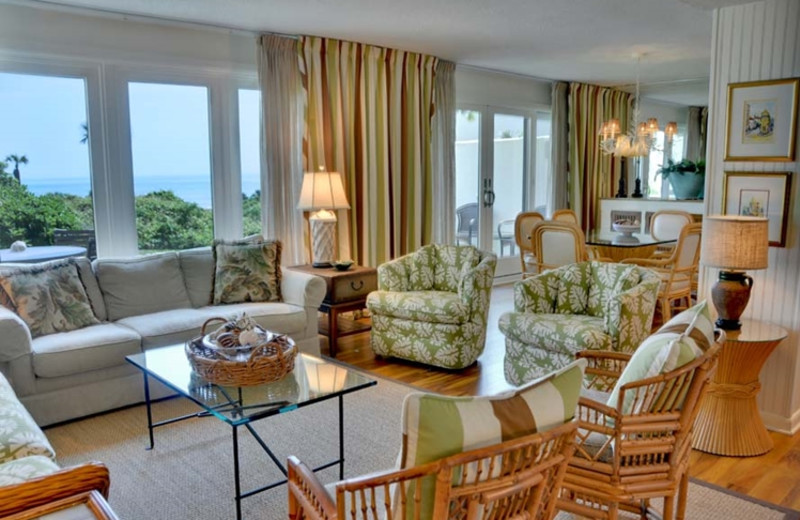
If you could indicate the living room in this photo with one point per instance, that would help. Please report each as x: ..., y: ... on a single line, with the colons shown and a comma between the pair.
x: 108, y: 51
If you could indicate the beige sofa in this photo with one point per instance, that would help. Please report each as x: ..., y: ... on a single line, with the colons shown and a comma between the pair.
x: 142, y: 302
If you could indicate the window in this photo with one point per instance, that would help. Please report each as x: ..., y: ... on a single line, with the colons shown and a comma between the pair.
x: 170, y: 149
x: 250, y: 159
x: 43, y: 141
x: 661, y: 151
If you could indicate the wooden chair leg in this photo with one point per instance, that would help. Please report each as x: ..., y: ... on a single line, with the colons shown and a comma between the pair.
x: 683, y: 492
x: 666, y: 310
x: 669, y: 507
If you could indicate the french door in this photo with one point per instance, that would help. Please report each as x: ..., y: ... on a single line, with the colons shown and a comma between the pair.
x: 502, y: 168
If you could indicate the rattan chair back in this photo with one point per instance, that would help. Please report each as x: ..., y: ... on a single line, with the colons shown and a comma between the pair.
x: 565, y: 215
x: 668, y: 223
x: 523, y: 235
x: 557, y: 244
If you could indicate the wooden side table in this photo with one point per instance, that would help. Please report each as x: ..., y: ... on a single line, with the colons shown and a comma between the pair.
x: 345, y: 291
x: 729, y: 422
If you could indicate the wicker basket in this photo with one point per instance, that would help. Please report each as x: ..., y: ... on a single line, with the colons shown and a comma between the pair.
x: 243, y: 365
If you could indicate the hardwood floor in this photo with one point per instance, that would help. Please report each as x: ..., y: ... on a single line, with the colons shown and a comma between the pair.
x: 773, y: 477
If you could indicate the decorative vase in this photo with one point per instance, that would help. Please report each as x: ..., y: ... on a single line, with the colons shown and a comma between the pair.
x: 687, y: 185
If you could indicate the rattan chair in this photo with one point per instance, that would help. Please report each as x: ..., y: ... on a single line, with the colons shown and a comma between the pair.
x: 61, y: 484
x: 667, y: 225
x: 557, y: 244
x: 517, y: 479
x: 565, y: 215
x: 677, y: 270
x: 523, y: 235
x: 622, y: 461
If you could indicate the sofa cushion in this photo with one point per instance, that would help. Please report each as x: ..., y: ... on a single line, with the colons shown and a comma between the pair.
x: 90, y: 348
x: 605, y: 280
x: 163, y: 328
x: 450, y: 262
x: 49, y: 297
x: 247, y: 271
x: 565, y: 333
x: 89, y: 281
x: 423, y: 306
x: 436, y: 426
x: 19, y: 434
x: 24, y: 469
x: 197, y: 266
x: 680, y: 341
x: 279, y: 317
x: 573, y: 288
x: 141, y: 285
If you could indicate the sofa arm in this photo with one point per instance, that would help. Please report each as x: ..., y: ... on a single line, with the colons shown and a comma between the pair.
x: 15, y: 337
x: 629, y: 314
x: 394, y: 275
x: 303, y: 289
x: 537, y: 294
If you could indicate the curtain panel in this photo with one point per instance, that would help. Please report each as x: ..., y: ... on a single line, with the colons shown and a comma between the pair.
x: 368, y: 116
x: 559, y: 146
x: 281, y: 144
x: 593, y: 174
x: 444, y: 153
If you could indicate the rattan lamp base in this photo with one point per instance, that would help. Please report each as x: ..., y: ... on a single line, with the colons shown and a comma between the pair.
x: 323, y: 241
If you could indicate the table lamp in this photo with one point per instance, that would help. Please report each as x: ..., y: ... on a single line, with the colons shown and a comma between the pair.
x: 322, y: 192
x: 733, y: 244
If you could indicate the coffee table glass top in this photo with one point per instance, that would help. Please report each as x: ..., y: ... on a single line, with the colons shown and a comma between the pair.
x: 313, y: 379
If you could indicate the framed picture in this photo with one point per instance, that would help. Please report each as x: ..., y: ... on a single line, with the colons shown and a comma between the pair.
x: 759, y: 195
x: 762, y: 120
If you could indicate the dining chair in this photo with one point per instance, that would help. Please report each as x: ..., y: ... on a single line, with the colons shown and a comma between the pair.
x: 677, y: 270
x: 467, y: 223
x: 666, y: 225
x: 565, y: 215
x: 558, y: 243
x: 505, y: 234
x: 523, y: 235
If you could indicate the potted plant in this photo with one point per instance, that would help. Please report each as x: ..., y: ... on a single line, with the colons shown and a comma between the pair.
x: 687, y: 177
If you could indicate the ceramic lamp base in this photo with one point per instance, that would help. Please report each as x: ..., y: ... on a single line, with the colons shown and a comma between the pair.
x: 323, y: 241
x: 730, y: 295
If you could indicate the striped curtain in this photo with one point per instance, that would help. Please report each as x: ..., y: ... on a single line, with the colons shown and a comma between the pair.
x: 368, y: 116
x: 592, y: 174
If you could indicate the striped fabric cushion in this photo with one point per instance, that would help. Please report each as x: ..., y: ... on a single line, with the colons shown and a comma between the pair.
x: 679, y: 341
x: 436, y: 426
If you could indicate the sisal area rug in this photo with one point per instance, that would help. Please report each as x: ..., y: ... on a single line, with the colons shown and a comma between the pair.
x: 189, y: 474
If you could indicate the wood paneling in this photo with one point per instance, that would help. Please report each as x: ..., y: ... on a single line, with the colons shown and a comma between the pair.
x: 760, y: 41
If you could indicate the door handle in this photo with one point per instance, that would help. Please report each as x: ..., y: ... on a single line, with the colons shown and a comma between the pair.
x: 488, y: 198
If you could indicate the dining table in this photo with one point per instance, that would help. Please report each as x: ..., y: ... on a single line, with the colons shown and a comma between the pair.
x: 32, y: 254
x: 619, y: 247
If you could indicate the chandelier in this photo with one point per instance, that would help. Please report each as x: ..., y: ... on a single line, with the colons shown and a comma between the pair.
x: 641, y: 135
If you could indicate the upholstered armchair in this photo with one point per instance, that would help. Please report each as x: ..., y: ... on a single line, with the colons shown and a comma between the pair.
x: 581, y: 306
x: 431, y: 306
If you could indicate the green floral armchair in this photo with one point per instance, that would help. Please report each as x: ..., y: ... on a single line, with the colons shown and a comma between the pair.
x: 431, y: 306
x: 582, y: 306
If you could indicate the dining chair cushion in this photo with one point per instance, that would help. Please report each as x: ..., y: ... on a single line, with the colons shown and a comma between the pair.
x: 680, y: 341
x: 423, y: 306
x: 437, y: 426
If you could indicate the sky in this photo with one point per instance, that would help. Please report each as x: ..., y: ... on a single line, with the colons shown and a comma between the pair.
x: 169, y: 125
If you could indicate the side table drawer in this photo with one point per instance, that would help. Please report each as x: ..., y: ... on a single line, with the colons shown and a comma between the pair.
x: 352, y: 287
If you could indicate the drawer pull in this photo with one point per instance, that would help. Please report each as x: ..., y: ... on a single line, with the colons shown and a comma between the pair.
x: 357, y: 287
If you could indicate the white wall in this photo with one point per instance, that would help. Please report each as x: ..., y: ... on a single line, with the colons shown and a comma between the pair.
x: 752, y: 42
x: 483, y: 87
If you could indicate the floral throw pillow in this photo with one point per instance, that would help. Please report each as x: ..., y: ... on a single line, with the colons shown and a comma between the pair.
x: 50, y: 298
x: 247, y: 271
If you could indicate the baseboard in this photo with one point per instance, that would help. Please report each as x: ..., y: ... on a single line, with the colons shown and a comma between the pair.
x: 781, y: 424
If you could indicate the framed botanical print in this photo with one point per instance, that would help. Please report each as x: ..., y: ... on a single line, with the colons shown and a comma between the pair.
x: 759, y: 195
x: 762, y: 120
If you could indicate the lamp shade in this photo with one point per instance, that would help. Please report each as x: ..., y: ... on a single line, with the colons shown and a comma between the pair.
x: 735, y: 242
x: 322, y: 190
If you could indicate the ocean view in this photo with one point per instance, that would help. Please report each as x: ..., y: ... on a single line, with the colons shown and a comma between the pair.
x: 190, y: 189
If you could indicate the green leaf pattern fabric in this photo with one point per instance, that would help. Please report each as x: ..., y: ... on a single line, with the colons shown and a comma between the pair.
x: 49, y: 297
x: 542, y: 335
x: 413, y: 318
x: 22, y: 470
x: 247, y: 271
x: 19, y: 435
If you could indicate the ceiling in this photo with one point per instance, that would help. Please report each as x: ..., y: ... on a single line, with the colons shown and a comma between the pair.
x: 594, y: 41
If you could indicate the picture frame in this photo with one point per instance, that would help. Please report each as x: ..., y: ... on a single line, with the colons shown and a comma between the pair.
x: 760, y: 195
x: 762, y: 120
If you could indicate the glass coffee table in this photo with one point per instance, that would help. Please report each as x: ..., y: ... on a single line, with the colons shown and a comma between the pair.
x: 313, y: 380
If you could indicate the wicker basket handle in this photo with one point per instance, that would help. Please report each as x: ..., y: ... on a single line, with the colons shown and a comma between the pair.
x: 211, y: 320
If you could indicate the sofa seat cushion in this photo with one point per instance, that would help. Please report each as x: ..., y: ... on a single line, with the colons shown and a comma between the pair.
x: 159, y: 329
x: 284, y: 318
x: 556, y: 332
x: 21, y: 470
x: 424, y: 306
x: 19, y: 435
x: 78, y: 351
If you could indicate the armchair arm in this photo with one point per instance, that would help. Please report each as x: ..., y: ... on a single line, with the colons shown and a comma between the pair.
x: 629, y: 314
x: 15, y: 337
x: 394, y: 275
x: 603, y: 369
x: 302, y: 289
x: 475, y: 286
x: 307, y: 496
x: 537, y: 294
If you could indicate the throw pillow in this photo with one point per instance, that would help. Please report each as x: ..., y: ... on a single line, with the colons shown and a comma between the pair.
x: 49, y: 297
x: 436, y: 426
x: 680, y: 341
x: 247, y: 271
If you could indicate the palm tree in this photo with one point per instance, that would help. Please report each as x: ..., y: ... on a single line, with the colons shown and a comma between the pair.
x: 84, y: 132
x: 17, y: 160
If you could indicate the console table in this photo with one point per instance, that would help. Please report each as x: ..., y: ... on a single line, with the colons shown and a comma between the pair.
x: 345, y: 291
x: 729, y: 422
